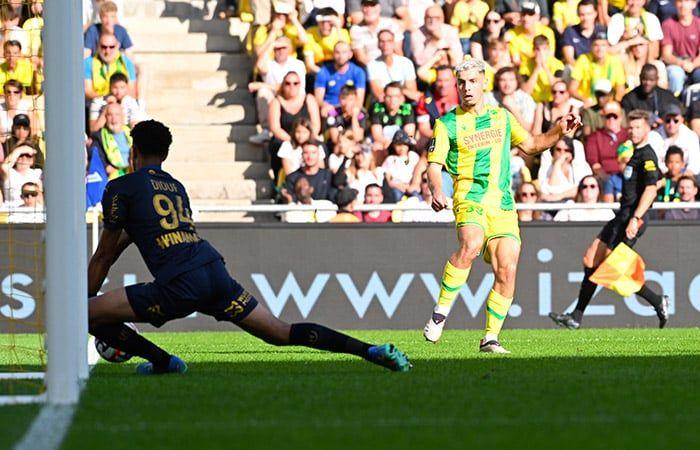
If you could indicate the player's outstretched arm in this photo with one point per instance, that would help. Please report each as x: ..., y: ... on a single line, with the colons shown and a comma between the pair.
x: 435, y: 183
x: 111, y: 244
x: 541, y: 142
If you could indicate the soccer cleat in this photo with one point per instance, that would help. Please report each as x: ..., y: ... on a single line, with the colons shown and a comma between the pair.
x: 260, y: 138
x: 565, y: 320
x: 491, y: 347
x: 433, y: 329
x: 389, y: 356
x: 662, y: 312
x: 176, y: 365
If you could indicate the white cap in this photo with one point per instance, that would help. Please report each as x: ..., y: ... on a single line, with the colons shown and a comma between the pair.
x: 281, y: 7
x: 603, y: 85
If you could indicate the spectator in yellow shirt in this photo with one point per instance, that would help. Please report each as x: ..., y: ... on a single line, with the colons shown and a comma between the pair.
x: 285, y: 22
x: 322, y: 39
x: 565, y: 14
x: 468, y: 16
x: 16, y: 67
x: 520, y: 39
x: 541, y: 71
x: 594, y: 66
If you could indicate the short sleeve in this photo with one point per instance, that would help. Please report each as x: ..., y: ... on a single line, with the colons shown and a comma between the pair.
x: 410, y: 70
x: 376, y: 114
x: 667, y: 31
x: 567, y: 38
x: 440, y: 144
x: 356, y: 40
x: 321, y: 78
x: 126, y: 40
x: 518, y: 134
x: 616, y: 28
x: 91, y: 38
x: 87, y: 68
x: 653, y: 28
x: 374, y: 69
x: 408, y: 113
x: 650, y: 169
x: 578, y: 72
x: 359, y: 78
x: 130, y: 68
x: 114, y: 207
x: 618, y: 72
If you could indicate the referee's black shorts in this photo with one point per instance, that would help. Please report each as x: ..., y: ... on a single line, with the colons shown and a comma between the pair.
x: 614, y: 232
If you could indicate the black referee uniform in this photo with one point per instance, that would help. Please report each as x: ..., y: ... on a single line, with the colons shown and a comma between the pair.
x: 641, y: 171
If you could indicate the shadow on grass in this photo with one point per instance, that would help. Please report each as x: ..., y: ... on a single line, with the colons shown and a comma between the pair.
x: 602, y: 402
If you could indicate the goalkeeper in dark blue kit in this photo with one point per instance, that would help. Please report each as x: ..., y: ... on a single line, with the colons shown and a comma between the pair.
x: 151, y: 209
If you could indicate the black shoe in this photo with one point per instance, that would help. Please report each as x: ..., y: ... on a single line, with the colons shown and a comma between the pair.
x: 565, y: 320
x: 662, y: 312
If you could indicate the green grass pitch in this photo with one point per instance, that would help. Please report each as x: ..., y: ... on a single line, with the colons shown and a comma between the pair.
x: 593, y: 389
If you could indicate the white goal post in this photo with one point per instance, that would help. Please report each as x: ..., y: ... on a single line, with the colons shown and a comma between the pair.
x: 66, y: 240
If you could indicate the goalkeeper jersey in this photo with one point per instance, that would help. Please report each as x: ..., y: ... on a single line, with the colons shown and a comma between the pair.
x: 475, y: 150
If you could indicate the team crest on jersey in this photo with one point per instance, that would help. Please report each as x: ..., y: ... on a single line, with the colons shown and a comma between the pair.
x: 431, y: 146
x: 627, y: 173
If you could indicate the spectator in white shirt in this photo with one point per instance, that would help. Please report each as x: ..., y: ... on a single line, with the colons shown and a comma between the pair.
x: 390, y: 67
x: 18, y: 169
x: 399, y: 165
x: 433, y: 36
x: 14, y: 104
x: 364, y: 35
x: 363, y: 172
x: 632, y: 26
x: 562, y: 178
x: 508, y: 94
x: 588, y: 192
x: 675, y: 132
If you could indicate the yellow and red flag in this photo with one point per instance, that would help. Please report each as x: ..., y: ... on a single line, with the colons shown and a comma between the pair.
x: 622, y: 271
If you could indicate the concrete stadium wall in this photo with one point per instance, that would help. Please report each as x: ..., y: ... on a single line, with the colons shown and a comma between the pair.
x: 372, y: 276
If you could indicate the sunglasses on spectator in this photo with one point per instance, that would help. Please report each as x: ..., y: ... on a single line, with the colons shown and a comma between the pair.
x: 30, y: 194
x: 9, y: 92
x: 26, y: 155
x: 589, y: 186
x: 562, y: 149
x: 611, y: 116
x: 528, y: 194
x: 557, y: 91
x: 292, y: 83
x: 110, y: 47
x: 672, y: 119
x: 493, y: 20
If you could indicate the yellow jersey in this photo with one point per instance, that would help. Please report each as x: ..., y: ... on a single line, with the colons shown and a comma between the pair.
x: 475, y: 150
x: 462, y: 13
x: 321, y: 47
x: 566, y: 12
x: 520, y: 45
x: 542, y: 92
x: 586, y: 71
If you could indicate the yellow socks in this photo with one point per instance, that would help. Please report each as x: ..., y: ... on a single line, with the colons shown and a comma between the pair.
x: 496, y: 311
x: 452, y: 281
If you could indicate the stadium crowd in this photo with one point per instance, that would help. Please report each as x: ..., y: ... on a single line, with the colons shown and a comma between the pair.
x: 112, y: 103
x: 347, y: 93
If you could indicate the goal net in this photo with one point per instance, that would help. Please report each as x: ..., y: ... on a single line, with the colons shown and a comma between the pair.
x: 42, y: 178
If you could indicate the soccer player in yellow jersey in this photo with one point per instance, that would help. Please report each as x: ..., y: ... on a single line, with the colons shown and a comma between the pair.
x: 473, y: 142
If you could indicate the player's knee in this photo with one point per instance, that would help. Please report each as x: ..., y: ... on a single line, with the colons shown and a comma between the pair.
x: 505, y: 273
x: 468, y: 251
